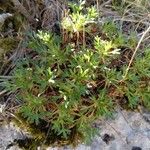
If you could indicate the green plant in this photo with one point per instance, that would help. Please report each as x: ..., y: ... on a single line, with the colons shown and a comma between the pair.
x: 78, y: 21
x: 138, y: 82
x: 114, y: 33
x: 57, y: 86
x: 67, y: 87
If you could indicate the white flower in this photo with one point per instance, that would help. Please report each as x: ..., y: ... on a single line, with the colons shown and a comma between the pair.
x: 51, y: 81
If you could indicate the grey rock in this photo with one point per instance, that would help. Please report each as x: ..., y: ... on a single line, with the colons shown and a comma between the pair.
x: 8, y: 133
x: 138, y: 139
x: 3, y: 17
x: 14, y: 148
x: 126, y: 131
x: 146, y: 117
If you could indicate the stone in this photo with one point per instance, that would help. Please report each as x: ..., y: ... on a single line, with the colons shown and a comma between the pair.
x: 8, y: 133
x: 138, y: 139
x: 127, y: 130
x: 146, y: 117
x: 14, y: 148
x: 3, y: 17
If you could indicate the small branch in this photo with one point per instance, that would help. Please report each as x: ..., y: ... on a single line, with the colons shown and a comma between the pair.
x: 5, y: 77
x: 105, y: 3
x: 2, y: 92
x: 136, y: 49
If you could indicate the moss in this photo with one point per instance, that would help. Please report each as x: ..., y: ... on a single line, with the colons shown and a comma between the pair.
x: 42, y: 135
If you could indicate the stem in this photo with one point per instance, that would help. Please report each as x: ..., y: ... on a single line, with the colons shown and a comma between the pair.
x: 136, y: 49
x: 84, y: 37
x: 77, y: 38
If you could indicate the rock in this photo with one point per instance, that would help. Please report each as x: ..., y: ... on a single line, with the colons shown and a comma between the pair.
x: 8, y: 133
x: 3, y: 17
x: 126, y: 131
x: 146, y: 117
x: 138, y: 139
x: 14, y: 148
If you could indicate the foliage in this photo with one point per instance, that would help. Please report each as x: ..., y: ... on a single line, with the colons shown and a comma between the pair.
x: 69, y: 86
x: 76, y: 21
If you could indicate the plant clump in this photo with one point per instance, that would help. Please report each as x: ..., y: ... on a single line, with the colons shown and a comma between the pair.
x: 67, y: 86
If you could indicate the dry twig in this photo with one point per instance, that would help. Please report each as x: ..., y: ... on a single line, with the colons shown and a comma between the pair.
x: 136, y: 49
